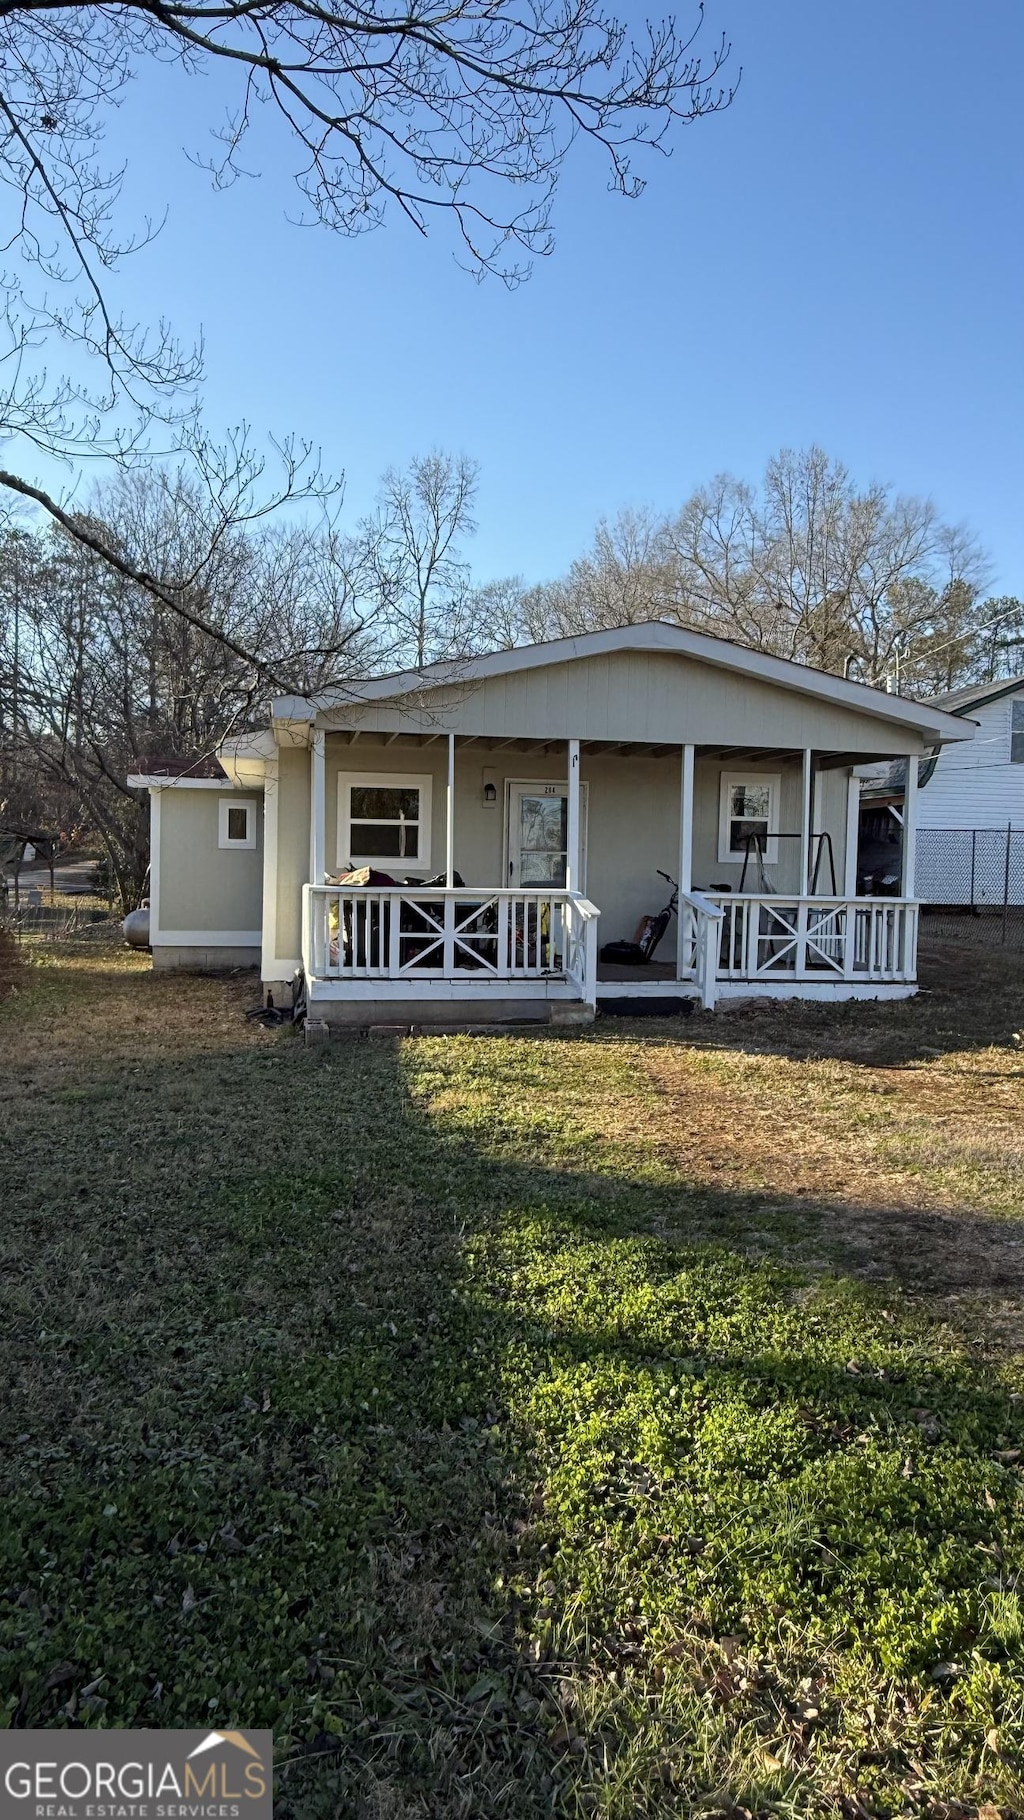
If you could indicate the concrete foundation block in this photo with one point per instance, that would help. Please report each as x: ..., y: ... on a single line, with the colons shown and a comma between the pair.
x: 571, y: 1016
x: 316, y: 1032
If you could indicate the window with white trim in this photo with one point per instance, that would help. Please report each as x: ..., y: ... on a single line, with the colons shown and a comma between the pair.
x: 748, y: 816
x: 1017, y: 733
x: 236, y: 823
x: 384, y: 821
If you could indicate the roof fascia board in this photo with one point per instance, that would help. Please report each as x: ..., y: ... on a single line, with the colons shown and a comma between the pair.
x: 153, y: 780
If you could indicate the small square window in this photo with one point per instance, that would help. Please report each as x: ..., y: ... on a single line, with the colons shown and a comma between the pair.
x: 1017, y: 733
x: 237, y: 824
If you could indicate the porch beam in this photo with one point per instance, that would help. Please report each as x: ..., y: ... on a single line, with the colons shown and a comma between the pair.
x: 805, y: 821
x: 909, y: 868
x: 449, y: 826
x: 317, y: 806
x: 573, y: 868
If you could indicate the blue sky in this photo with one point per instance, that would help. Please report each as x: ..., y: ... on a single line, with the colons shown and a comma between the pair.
x: 838, y: 258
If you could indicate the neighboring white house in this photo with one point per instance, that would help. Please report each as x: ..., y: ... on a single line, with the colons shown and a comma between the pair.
x: 970, y: 805
x: 556, y: 780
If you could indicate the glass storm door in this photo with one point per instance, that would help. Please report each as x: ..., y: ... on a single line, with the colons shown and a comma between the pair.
x: 538, y: 831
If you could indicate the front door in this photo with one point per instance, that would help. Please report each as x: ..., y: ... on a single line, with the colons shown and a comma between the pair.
x: 537, y: 834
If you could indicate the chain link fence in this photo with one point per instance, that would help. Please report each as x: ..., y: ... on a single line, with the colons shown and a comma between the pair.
x: 971, y: 882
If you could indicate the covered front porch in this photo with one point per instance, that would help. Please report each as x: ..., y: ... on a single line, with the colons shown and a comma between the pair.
x: 515, y: 862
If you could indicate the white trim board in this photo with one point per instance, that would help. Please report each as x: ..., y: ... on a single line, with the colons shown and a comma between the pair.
x: 144, y: 780
x: 154, y: 867
x: 830, y: 990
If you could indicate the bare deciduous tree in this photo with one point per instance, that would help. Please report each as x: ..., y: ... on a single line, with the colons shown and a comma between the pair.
x: 414, y: 555
x: 464, y: 109
x: 863, y: 581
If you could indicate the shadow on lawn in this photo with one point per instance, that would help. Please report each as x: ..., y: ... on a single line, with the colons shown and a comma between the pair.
x: 259, y: 1462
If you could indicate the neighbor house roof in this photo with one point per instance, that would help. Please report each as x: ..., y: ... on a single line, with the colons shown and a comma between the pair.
x: 203, y: 765
x: 891, y: 780
x: 654, y: 635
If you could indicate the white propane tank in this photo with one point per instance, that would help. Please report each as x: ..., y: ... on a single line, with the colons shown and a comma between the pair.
x: 135, y: 928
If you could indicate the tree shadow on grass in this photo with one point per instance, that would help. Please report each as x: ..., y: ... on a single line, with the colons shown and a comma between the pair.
x: 274, y: 1340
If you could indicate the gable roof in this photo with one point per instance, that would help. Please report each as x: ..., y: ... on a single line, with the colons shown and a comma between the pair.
x: 977, y: 695
x: 652, y: 635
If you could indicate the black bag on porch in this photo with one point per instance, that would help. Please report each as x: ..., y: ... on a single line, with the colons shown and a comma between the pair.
x: 623, y: 954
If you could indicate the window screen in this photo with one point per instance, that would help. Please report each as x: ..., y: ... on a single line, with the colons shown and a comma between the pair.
x: 238, y: 824
x: 1017, y: 733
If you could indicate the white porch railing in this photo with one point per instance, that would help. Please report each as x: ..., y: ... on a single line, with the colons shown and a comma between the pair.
x: 420, y: 934
x: 700, y: 919
x: 860, y: 940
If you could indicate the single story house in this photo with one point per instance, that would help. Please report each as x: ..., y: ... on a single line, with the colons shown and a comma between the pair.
x: 512, y: 814
x: 970, y: 803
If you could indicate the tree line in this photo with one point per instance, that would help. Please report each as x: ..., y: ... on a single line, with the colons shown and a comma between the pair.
x: 863, y: 581
x: 107, y: 666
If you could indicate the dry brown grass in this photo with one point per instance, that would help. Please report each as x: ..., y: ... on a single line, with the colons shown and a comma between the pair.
x: 900, y: 1128
x: 96, y: 1001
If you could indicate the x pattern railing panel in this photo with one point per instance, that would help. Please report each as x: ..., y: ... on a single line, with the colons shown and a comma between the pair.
x: 764, y: 937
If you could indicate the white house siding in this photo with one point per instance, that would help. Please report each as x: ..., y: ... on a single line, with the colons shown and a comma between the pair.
x: 972, y: 798
x: 974, y: 785
x: 639, y: 696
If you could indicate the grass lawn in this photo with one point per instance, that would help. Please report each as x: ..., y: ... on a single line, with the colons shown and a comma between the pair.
x: 617, y: 1423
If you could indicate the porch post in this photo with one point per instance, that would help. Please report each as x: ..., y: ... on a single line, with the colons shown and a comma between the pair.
x: 317, y: 806
x: 684, y: 920
x: 852, y: 835
x: 573, y: 856
x: 805, y: 825
x: 450, y: 816
x: 909, y: 830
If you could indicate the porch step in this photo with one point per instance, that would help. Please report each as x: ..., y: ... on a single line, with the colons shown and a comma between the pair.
x: 648, y: 1004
